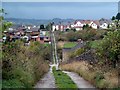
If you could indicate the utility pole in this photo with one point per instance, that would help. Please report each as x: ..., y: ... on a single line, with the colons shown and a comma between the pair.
x: 50, y: 29
x: 52, y: 47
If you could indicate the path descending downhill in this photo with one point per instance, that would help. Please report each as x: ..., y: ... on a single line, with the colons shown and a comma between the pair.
x: 80, y: 82
x: 47, y: 81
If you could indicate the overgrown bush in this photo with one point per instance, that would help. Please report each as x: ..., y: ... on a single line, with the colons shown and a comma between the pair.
x: 23, y: 65
x: 109, y: 48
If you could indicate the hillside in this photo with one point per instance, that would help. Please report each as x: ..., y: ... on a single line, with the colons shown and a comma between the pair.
x: 38, y: 21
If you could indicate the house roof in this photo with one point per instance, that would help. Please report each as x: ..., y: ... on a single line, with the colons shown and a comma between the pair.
x: 101, y: 21
x: 83, y: 21
x: 33, y: 30
x: 87, y: 21
x: 21, y: 28
x: 97, y: 22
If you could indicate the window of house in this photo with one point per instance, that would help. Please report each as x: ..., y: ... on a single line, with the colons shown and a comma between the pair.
x: 41, y: 38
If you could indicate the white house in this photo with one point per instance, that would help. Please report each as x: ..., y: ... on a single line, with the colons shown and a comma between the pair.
x: 104, y: 26
x: 72, y: 25
x: 55, y: 27
x: 29, y: 27
x: 78, y: 25
x: 78, y: 28
x: 43, y: 33
x: 94, y: 24
x: 61, y: 27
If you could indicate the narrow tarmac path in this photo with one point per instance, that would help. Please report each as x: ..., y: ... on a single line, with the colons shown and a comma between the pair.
x: 47, y: 81
x: 80, y: 82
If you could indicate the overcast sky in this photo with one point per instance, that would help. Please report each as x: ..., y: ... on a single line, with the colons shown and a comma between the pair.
x: 50, y: 10
x: 60, y: 0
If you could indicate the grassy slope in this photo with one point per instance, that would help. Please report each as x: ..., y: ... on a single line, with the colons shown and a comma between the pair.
x: 69, y: 44
x: 63, y: 80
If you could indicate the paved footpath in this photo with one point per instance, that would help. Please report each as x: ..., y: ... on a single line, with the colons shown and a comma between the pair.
x: 80, y: 82
x: 47, y: 81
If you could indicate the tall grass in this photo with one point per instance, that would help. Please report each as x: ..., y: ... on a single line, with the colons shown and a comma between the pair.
x: 92, y: 74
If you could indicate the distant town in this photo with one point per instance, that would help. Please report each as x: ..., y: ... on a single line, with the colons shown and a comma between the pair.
x: 34, y: 32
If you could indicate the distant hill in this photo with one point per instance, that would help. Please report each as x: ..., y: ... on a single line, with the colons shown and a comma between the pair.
x: 45, y: 21
x: 39, y: 21
x: 27, y: 21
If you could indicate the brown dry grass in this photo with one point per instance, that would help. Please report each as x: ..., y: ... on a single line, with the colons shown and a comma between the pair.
x: 61, y: 44
x: 88, y: 72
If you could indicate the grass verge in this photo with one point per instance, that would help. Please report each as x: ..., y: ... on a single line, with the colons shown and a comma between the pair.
x: 63, y: 80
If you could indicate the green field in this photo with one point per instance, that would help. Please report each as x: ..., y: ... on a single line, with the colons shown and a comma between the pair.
x: 69, y: 44
x: 62, y: 80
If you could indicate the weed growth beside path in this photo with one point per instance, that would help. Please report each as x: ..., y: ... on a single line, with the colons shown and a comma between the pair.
x: 63, y: 80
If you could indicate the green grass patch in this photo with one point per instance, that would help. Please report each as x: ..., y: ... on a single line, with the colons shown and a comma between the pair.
x: 62, y: 80
x: 69, y: 44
